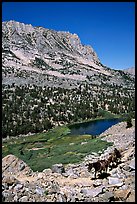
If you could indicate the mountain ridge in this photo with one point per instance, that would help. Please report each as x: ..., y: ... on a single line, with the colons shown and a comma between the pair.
x: 52, y: 75
x: 130, y: 70
x: 52, y: 53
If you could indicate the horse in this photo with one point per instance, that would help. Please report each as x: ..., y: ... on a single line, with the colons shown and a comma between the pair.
x: 99, y: 166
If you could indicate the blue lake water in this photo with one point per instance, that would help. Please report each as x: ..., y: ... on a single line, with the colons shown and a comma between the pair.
x: 93, y: 127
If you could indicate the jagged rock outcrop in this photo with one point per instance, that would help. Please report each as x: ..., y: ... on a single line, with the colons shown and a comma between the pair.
x: 12, y: 164
x: 31, y: 52
x: 130, y: 70
x: 43, y: 41
x: 77, y: 184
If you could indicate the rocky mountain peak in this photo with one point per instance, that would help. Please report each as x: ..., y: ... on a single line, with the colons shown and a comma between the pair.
x: 17, y: 26
x: 53, y: 53
x: 45, y: 40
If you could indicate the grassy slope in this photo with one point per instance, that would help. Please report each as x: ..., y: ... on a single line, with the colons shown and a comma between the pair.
x: 55, y: 146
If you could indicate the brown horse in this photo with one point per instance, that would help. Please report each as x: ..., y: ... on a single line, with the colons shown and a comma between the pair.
x: 102, y: 165
x: 114, y: 158
x: 99, y: 166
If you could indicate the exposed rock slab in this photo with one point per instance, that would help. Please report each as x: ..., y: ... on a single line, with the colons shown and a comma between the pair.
x: 13, y: 165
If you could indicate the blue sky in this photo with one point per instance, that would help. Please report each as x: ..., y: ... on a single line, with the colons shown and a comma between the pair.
x: 109, y: 27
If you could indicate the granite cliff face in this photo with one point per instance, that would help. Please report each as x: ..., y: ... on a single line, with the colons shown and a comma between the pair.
x: 44, y: 41
x: 56, y: 58
x: 40, y: 51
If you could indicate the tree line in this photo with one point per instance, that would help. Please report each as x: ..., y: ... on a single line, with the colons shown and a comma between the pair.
x: 32, y: 108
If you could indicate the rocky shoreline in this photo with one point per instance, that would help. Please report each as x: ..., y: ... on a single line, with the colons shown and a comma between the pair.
x: 73, y: 183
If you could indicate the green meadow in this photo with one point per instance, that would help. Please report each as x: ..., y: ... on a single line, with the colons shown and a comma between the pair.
x: 41, y: 151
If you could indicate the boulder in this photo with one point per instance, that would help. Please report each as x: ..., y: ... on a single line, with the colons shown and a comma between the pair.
x: 132, y: 164
x: 72, y: 173
x: 92, y: 192
x: 131, y: 197
x: 47, y: 171
x: 106, y: 197
x: 115, y: 181
x: 39, y: 191
x: 9, y: 180
x: 13, y: 165
x: 97, y: 183
x: 7, y: 196
x: 122, y: 194
x: 18, y: 187
x: 23, y: 199
x: 58, y: 168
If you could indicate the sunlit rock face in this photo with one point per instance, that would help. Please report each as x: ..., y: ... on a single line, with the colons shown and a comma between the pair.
x: 56, y: 58
x: 130, y: 70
